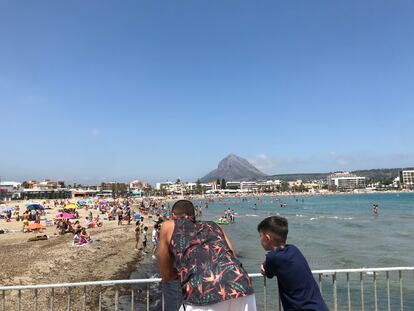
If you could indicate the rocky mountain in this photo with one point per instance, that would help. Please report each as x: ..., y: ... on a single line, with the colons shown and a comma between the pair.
x: 234, y: 168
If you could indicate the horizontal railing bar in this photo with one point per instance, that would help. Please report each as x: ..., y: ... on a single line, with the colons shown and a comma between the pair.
x: 78, y: 284
x: 363, y: 270
x: 158, y: 280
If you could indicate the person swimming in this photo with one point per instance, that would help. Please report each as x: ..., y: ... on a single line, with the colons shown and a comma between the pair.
x: 375, y: 209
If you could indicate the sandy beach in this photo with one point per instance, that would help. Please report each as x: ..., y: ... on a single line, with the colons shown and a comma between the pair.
x: 110, y: 256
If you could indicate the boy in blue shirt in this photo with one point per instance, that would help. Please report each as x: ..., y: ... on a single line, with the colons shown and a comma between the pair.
x: 297, y: 287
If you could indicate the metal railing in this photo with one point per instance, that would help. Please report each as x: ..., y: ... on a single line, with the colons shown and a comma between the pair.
x: 371, y: 289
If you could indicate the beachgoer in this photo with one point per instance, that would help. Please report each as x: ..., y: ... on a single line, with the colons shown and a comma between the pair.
x: 25, y: 221
x: 137, y: 233
x: 77, y: 227
x: 128, y: 215
x: 84, y: 237
x: 232, y: 215
x: 8, y: 215
x: 375, y: 210
x: 37, y: 219
x: 297, y: 287
x: 201, y: 256
x: 97, y: 221
x: 144, y: 239
x: 86, y: 222
x: 154, y: 239
x: 33, y: 214
x: 119, y: 213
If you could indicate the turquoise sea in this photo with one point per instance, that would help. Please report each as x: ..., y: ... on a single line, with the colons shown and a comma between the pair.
x: 336, y: 231
x: 333, y: 232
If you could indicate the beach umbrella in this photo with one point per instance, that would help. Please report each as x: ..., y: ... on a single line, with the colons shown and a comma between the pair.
x: 103, y: 202
x: 64, y: 215
x: 90, y: 201
x: 8, y: 209
x: 71, y: 206
x: 35, y: 226
x: 68, y: 215
x: 81, y: 202
x: 35, y: 206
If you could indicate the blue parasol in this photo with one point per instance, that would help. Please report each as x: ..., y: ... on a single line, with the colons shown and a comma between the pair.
x: 35, y: 206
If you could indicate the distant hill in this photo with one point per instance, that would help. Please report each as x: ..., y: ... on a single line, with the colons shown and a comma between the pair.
x: 373, y: 174
x: 234, y: 168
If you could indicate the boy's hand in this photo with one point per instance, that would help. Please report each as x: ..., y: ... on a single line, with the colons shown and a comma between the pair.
x: 262, y: 270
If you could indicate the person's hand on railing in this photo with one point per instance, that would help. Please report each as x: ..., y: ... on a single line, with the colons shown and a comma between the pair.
x: 262, y: 270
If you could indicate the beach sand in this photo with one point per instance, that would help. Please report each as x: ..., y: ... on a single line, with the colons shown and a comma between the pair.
x: 56, y: 260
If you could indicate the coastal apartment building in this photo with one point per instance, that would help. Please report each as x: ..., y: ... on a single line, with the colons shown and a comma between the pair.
x: 235, y: 185
x: 346, y: 181
x: 407, y: 178
x: 248, y: 186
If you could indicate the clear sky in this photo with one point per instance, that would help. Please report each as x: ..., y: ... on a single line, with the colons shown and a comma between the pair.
x: 94, y: 91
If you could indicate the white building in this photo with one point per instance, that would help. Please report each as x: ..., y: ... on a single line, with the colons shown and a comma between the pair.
x: 407, y: 178
x: 10, y: 186
x: 9, y: 189
x: 346, y: 181
x: 233, y: 185
x: 248, y: 186
x: 163, y: 185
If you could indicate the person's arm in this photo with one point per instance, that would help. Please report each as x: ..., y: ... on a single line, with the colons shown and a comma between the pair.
x: 167, y: 270
x: 266, y: 267
x: 230, y: 244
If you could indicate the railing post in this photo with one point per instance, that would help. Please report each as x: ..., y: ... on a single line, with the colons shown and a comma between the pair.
x: 335, y: 296
x: 401, y: 291
x: 100, y: 299
x: 162, y: 297
x: 84, y: 298
x: 19, y: 304
x: 375, y: 292
x: 320, y: 282
x: 3, y: 300
x: 348, y: 291
x: 116, y: 299
x: 69, y: 299
x: 264, y: 293
x: 388, y: 291
x: 132, y: 300
x: 35, y: 298
x: 51, y: 300
x: 148, y: 297
x: 362, y: 291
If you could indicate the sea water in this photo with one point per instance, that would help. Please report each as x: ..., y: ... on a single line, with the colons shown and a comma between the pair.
x: 333, y: 232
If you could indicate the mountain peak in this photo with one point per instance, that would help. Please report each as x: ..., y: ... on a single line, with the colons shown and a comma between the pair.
x: 234, y: 168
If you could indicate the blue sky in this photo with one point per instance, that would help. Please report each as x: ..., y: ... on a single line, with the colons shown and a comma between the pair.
x: 113, y: 90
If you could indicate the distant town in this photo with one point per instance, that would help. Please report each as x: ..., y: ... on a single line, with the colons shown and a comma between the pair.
x: 335, y: 182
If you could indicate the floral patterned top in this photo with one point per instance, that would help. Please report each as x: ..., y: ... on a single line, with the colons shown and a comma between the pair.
x: 208, y: 271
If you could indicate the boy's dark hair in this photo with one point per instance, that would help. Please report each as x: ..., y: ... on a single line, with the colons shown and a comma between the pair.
x: 276, y: 225
x: 183, y: 208
x: 145, y: 228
